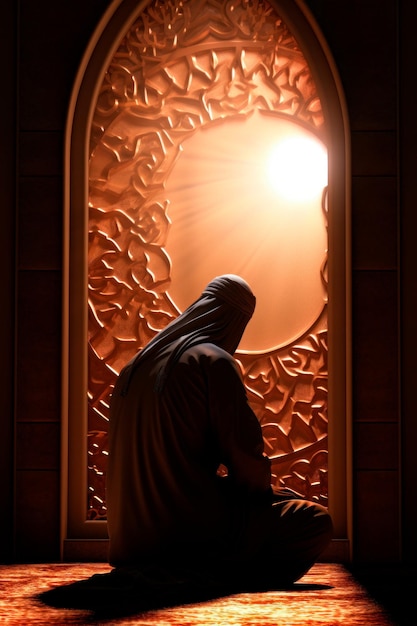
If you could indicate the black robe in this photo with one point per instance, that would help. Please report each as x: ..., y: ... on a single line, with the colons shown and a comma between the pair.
x: 166, y: 497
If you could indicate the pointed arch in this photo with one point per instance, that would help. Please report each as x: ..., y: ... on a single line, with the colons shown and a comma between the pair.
x: 114, y: 24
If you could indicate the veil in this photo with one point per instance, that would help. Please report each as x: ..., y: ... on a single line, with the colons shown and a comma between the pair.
x: 218, y: 316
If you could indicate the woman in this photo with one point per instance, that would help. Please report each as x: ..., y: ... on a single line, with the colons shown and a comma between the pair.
x: 179, y: 414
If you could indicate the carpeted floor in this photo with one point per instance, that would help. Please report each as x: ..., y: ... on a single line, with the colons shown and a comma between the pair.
x: 327, y: 595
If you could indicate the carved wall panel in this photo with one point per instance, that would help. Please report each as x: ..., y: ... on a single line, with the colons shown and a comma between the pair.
x: 185, y: 68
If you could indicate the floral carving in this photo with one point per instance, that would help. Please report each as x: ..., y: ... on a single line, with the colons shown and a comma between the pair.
x: 181, y: 65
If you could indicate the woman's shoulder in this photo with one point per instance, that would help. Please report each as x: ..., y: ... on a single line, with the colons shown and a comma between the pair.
x: 210, y: 357
x: 209, y: 350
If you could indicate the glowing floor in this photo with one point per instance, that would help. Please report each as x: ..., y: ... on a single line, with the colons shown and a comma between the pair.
x: 327, y: 595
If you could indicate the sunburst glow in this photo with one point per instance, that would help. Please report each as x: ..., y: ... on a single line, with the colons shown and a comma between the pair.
x: 227, y: 217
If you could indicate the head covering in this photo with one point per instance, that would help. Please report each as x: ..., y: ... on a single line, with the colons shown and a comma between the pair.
x: 218, y: 316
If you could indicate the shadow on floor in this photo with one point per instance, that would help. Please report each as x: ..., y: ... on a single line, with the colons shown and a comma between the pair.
x: 112, y: 595
x: 392, y: 586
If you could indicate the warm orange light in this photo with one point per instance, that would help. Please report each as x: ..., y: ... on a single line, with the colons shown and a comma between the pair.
x: 227, y: 217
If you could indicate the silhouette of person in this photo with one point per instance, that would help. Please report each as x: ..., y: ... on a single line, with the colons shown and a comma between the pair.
x: 188, y: 482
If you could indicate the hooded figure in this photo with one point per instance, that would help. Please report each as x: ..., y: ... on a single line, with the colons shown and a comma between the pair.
x: 178, y: 413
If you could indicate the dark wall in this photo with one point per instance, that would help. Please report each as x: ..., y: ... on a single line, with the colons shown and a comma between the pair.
x: 42, y: 49
x: 363, y: 38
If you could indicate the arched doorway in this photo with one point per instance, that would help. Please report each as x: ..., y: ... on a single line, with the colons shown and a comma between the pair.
x: 162, y: 194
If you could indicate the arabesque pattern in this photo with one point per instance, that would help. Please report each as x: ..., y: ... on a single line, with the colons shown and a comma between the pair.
x: 182, y: 65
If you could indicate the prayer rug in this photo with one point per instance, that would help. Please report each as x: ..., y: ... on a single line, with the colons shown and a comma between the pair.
x: 327, y: 595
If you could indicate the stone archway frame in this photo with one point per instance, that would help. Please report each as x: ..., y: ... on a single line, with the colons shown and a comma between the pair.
x: 300, y: 23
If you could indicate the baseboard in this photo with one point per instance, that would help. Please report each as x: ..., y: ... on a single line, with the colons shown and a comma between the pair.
x: 96, y: 550
x: 85, y: 550
x: 338, y: 551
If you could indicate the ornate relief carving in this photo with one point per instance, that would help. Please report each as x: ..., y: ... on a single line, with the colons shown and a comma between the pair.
x: 183, y: 65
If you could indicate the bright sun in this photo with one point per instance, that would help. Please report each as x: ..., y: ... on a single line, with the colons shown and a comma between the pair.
x: 297, y: 168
